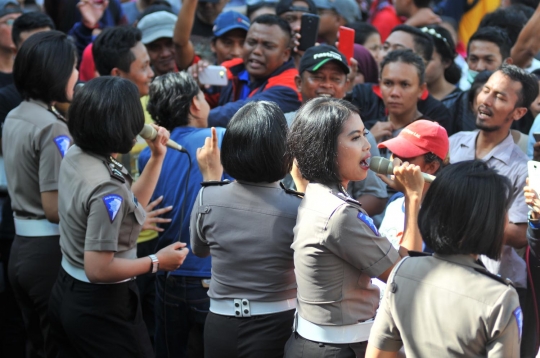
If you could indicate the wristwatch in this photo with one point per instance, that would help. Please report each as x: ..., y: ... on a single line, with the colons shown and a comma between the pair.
x: 155, y: 263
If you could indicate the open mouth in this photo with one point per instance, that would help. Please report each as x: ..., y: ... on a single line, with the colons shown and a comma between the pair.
x: 483, y: 112
x: 255, y: 63
x: 325, y: 95
x: 364, y: 164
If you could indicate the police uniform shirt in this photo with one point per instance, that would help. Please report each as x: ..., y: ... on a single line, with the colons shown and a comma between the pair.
x: 34, y: 141
x: 248, y: 228
x: 510, y: 162
x: 337, y: 250
x: 444, y: 306
x: 98, y: 211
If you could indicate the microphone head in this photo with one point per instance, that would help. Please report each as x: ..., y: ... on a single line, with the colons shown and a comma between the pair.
x: 381, y: 165
x: 148, y: 132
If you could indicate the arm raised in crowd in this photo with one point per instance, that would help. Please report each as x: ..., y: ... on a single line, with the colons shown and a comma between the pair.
x: 182, y: 31
x: 528, y: 42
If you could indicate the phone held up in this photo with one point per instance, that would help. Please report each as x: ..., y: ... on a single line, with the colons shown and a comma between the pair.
x: 346, y: 42
x: 534, y: 175
x: 309, y: 30
x: 213, y: 76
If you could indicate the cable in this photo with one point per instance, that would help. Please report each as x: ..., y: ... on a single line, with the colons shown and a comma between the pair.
x: 182, y: 211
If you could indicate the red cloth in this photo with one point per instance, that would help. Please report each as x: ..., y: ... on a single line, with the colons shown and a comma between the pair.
x: 87, y: 70
x: 384, y: 18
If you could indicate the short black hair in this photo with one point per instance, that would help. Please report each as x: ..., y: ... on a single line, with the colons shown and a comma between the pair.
x: 423, y: 45
x: 170, y: 98
x: 269, y: 20
x: 313, y: 138
x: 254, y: 144
x: 529, y: 84
x: 106, y: 115
x: 495, y: 35
x: 112, y: 48
x: 406, y: 56
x: 30, y: 21
x: 483, y: 198
x: 507, y: 19
x: 446, y: 48
x: 43, y: 66
x: 362, y: 30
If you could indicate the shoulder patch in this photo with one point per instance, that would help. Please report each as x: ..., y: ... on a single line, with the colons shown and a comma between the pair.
x: 505, y: 281
x: 215, y: 182
x: 114, y: 172
x: 369, y: 222
x: 112, y: 203
x: 62, y: 143
x: 519, y: 319
x: 290, y: 191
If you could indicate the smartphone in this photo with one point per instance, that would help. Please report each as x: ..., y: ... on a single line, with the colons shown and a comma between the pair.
x: 213, y: 76
x: 536, y: 137
x: 534, y: 175
x: 309, y: 30
x: 346, y: 42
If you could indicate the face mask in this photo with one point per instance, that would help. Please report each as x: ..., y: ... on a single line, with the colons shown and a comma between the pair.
x: 471, y: 75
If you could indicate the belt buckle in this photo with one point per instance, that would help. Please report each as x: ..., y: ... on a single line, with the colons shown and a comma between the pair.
x: 242, y: 308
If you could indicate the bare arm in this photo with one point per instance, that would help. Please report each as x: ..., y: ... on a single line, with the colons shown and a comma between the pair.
x: 371, y: 204
x: 515, y: 235
x: 528, y: 42
x: 373, y: 352
x: 182, y: 31
x: 49, y: 201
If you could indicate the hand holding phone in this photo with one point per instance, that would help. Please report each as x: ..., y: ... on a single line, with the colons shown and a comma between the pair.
x: 309, y: 30
x: 213, y: 76
x: 346, y: 42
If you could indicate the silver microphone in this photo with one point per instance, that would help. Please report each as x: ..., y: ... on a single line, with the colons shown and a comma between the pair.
x: 384, y: 166
x: 148, y: 132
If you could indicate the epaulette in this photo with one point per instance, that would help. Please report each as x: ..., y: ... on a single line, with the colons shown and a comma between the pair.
x: 418, y: 253
x: 290, y: 191
x: 348, y: 199
x: 215, y: 182
x: 57, y: 114
x: 113, y: 170
x: 505, y: 281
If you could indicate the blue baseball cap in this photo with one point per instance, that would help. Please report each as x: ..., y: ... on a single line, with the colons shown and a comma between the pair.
x: 230, y: 20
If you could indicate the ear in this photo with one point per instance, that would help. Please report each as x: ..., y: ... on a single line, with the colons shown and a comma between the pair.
x: 116, y: 72
x: 431, y: 168
x: 287, y: 54
x: 298, y: 82
x: 423, y: 87
x: 195, y: 105
x: 519, y: 113
x: 509, y: 60
x: 213, y: 45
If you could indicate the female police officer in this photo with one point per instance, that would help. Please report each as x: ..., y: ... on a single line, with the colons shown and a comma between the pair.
x: 337, y: 249
x: 94, y: 308
x: 35, y: 139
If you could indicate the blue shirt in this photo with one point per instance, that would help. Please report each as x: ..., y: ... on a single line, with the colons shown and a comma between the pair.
x: 171, y: 185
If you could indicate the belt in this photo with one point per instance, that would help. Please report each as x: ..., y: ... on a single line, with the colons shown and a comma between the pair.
x: 351, y: 333
x: 34, y: 228
x: 79, y: 274
x: 241, y: 307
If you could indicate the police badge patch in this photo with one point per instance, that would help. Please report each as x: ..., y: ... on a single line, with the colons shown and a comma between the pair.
x: 113, y: 203
x: 369, y: 222
x: 62, y: 143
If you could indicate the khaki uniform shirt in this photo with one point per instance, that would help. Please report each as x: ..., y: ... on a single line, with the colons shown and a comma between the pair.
x: 34, y: 141
x: 442, y: 306
x: 98, y: 211
x: 337, y: 250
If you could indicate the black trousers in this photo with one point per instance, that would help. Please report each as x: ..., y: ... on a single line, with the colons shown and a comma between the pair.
x: 261, y: 336
x: 299, y: 347
x: 147, y: 289
x: 97, y: 320
x: 33, y: 267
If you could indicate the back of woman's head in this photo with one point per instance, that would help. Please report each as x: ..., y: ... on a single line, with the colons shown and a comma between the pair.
x: 106, y: 115
x: 170, y: 99
x: 43, y: 67
x: 446, y: 48
x: 253, y: 147
x: 465, y: 210
x: 312, y: 140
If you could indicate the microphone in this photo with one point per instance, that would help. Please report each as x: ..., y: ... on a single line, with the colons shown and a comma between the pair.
x: 384, y: 166
x: 149, y: 132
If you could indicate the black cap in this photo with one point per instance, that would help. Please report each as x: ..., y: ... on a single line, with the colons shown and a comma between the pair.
x: 315, y: 57
x: 286, y: 5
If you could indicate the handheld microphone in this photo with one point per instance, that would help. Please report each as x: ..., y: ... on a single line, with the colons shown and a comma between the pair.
x: 384, y: 166
x: 148, y: 132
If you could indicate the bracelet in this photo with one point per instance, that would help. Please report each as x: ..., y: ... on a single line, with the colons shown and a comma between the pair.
x: 154, y: 266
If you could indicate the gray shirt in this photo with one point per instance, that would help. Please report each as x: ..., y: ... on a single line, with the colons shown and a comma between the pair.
x: 510, y: 162
x: 248, y: 229
x: 442, y: 306
x: 98, y: 211
x: 34, y: 142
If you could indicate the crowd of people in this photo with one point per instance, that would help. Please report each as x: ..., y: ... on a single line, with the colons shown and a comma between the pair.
x: 147, y: 213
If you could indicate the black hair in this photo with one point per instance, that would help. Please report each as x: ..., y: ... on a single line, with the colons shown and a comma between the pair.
x: 530, y: 3
x: 524, y: 9
x: 259, y: 5
x: 269, y: 20
x: 536, y: 73
x: 446, y: 48
x: 362, y: 30
x: 423, y: 45
x: 421, y: 3
x: 157, y: 5
x: 254, y: 145
x: 112, y: 49
x: 495, y: 35
x: 529, y: 84
x: 406, y: 56
x: 170, y: 99
x: 313, y: 138
x: 507, y: 19
x: 43, y: 67
x: 477, y: 85
x: 106, y: 115
x: 30, y: 21
x: 464, y: 210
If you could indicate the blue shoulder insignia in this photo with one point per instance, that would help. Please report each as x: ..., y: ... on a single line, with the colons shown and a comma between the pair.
x: 62, y: 143
x: 113, y: 203
x: 369, y: 222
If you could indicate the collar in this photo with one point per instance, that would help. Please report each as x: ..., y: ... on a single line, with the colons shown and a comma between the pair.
x: 332, y: 188
x: 38, y: 102
x: 463, y: 260
x: 286, y: 66
x: 377, y: 90
x: 262, y: 184
x: 244, y: 76
x: 502, y: 151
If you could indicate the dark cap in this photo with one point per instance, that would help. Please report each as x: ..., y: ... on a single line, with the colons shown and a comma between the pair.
x: 9, y: 7
x: 287, y: 5
x: 315, y: 57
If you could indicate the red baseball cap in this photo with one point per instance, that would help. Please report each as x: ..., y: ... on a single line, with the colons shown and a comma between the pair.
x: 418, y: 138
